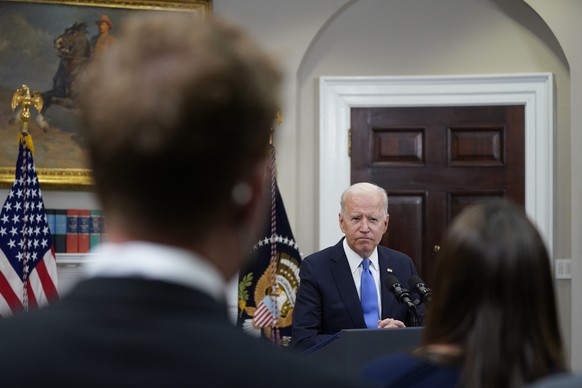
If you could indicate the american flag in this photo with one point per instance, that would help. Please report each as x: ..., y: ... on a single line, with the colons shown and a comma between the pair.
x: 266, y: 313
x: 28, y: 269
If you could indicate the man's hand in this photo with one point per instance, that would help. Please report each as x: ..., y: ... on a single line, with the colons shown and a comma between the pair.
x: 390, y: 323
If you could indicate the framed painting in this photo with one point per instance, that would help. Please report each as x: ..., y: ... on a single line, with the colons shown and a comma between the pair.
x: 29, y: 55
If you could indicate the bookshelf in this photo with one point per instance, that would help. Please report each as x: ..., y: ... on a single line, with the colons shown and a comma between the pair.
x: 75, y: 230
x: 73, y: 258
x: 71, y: 269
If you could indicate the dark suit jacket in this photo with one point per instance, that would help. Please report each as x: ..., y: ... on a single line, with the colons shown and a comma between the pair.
x: 131, y: 332
x: 327, y: 299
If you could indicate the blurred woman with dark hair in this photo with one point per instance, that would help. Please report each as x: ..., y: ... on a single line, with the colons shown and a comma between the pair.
x: 492, y: 321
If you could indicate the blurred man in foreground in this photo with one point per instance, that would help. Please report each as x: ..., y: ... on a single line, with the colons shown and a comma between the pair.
x: 176, y: 118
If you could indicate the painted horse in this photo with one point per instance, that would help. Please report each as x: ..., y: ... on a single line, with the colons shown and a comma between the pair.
x: 74, y: 51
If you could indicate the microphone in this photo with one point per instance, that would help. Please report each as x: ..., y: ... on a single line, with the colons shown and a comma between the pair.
x: 402, y: 295
x: 421, y: 289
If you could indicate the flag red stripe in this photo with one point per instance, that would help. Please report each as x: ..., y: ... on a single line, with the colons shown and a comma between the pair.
x: 260, y: 321
x: 261, y: 312
x: 9, y: 295
x: 45, y: 279
x: 32, y: 303
x: 263, y: 316
x: 266, y: 322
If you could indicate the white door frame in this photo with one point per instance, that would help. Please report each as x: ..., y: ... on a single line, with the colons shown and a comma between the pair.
x: 339, y: 94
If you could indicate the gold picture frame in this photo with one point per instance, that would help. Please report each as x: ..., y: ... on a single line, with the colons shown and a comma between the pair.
x: 41, y: 19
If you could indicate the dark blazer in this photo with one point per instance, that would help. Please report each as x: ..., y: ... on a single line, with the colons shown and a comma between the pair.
x: 408, y: 370
x: 130, y: 332
x: 327, y: 299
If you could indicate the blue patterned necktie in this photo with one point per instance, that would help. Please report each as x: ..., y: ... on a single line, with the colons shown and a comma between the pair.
x: 369, y: 296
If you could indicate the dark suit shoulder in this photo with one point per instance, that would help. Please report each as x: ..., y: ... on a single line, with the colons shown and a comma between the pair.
x: 392, y: 253
x: 332, y: 251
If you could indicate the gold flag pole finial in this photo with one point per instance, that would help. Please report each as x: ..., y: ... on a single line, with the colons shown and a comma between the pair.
x: 23, y: 97
x: 278, y: 120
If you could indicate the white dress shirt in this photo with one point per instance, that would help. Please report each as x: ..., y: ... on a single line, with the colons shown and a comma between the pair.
x: 159, y: 262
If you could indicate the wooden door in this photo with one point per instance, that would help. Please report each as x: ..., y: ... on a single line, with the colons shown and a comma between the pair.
x: 434, y: 161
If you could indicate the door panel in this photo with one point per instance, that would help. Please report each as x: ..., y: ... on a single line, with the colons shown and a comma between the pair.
x: 433, y: 162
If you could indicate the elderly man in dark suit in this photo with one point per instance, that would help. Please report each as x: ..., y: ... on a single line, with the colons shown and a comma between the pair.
x: 332, y: 289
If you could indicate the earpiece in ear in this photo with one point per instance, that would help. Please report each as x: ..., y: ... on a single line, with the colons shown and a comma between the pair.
x: 241, y: 194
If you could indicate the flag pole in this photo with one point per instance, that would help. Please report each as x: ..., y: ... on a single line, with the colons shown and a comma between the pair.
x: 275, y: 334
x: 23, y: 97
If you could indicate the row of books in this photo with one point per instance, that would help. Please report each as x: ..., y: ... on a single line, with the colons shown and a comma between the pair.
x: 75, y: 230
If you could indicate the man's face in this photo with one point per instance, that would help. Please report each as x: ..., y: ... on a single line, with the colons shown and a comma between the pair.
x: 103, y: 27
x: 364, y: 222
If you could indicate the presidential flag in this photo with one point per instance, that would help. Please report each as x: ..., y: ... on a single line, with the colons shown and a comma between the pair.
x: 267, y: 287
x: 28, y: 269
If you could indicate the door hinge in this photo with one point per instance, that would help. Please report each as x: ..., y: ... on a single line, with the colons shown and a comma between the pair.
x: 349, y: 142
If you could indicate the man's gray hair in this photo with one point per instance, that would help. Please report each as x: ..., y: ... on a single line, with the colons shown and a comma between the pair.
x: 360, y: 188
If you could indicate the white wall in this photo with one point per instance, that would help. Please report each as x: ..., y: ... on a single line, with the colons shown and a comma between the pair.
x: 563, y: 17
